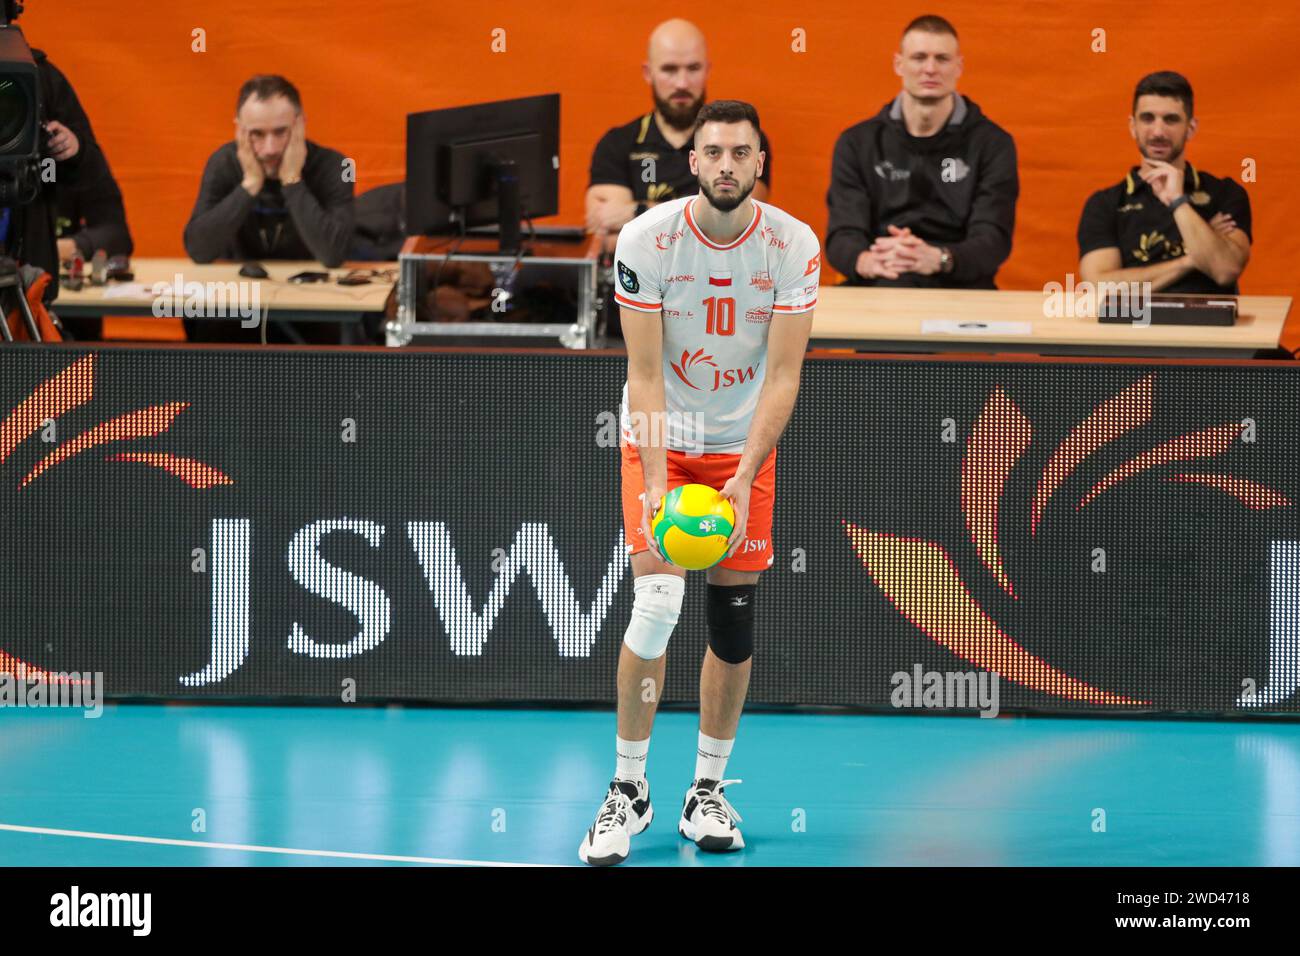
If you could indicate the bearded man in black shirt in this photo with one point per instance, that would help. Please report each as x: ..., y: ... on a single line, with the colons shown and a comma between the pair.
x: 1166, y: 223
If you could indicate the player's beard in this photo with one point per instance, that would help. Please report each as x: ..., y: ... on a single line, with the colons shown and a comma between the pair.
x: 679, y: 117
x: 726, y: 203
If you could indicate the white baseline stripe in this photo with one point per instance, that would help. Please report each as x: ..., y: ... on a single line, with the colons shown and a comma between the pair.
x: 339, y: 854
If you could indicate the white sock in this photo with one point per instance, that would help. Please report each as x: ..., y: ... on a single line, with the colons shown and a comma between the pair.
x: 631, y: 758
x: 711, y: 758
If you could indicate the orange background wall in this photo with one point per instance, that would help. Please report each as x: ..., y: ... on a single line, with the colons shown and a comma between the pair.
x: 159, y: 109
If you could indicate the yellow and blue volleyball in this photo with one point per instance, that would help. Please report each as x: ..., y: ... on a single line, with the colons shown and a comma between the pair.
x: 692, y: 526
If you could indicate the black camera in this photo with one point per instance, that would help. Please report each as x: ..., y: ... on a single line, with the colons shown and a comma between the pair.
x: 21, y: 132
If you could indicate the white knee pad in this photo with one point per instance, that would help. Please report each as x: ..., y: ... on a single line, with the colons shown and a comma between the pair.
x: 655, y: 608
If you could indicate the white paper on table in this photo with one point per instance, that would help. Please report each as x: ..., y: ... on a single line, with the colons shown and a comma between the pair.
x: 971, y: 327
x: 128, y: 290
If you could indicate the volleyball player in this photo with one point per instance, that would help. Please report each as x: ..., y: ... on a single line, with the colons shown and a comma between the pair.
x: 716, y: 293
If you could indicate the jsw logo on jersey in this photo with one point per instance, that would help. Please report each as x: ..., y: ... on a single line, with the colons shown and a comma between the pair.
x: 700, y: 365
x: 666, y: 239
x: 769, y: 236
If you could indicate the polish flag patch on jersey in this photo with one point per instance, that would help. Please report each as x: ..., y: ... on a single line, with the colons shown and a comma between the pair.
x: 719, y: 278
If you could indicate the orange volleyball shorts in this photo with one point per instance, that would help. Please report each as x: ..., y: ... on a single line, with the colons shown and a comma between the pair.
x: 755, y: 551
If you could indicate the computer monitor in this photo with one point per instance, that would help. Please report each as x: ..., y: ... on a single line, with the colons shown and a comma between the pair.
x: 491, y: 163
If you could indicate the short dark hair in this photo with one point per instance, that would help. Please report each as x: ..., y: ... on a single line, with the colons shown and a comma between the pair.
x: 931, y: 23
x: 1165, y: 83
x: 264, y: 86
x: 727, y: 111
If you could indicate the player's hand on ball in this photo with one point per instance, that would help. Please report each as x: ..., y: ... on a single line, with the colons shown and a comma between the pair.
x: 649, y: 506
x: 736, y: 490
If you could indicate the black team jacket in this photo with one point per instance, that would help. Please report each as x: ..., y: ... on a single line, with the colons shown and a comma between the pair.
x: 957, y: 188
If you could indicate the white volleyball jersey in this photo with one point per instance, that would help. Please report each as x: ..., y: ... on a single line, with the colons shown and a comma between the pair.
x: 716, y: 303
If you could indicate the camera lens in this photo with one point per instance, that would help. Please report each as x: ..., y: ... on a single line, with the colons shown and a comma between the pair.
x: 13, y: 113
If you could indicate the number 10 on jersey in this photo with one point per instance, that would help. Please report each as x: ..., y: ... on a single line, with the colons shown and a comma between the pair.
x: 721, y: 317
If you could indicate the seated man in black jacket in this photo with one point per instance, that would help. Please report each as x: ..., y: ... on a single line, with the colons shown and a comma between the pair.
x: 924, y: 193
x: 272, y: 193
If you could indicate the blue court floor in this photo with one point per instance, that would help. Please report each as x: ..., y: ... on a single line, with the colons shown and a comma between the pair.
x: 306, y: 786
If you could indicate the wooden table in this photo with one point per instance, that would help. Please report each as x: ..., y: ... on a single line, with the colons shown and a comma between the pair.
x: 282, y: 300
x: 944, y: 320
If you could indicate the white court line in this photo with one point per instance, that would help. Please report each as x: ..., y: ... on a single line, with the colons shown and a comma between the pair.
x: 339, y: 854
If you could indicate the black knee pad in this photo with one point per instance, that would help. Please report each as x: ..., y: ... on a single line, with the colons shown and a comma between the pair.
x: 731, y: 621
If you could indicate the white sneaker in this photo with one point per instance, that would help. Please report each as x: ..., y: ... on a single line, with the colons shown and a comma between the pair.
x: 625, y: 813
x: 709, y: 819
